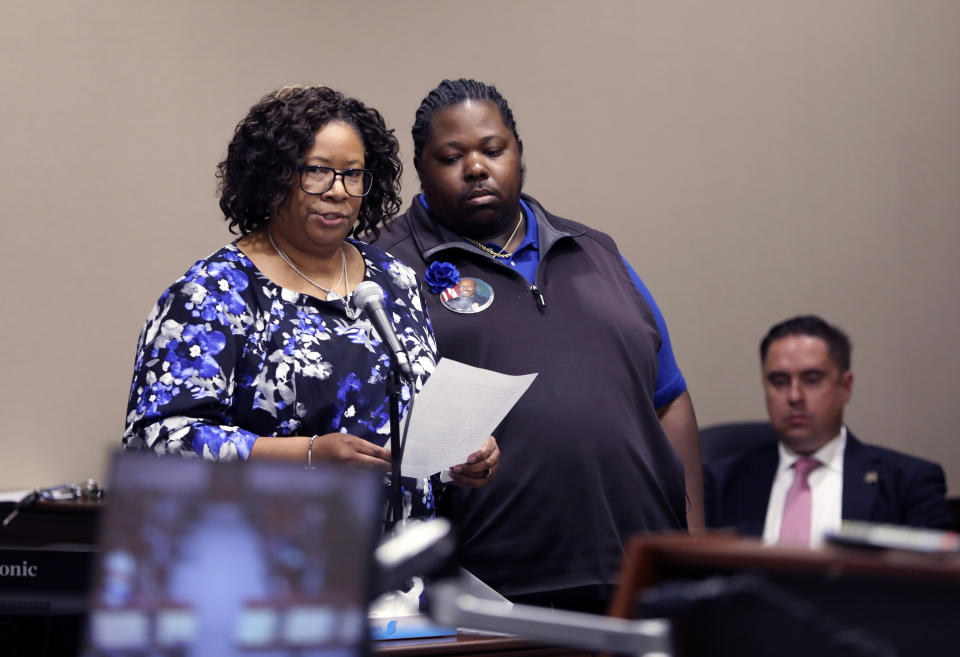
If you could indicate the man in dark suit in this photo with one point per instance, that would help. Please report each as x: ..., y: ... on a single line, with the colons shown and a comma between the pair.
x: 818, y: 473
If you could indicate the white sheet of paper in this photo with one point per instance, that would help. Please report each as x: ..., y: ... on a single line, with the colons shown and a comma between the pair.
x: 456, y: 410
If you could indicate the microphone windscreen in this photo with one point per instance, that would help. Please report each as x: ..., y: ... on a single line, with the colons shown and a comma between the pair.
x: 366, y: 292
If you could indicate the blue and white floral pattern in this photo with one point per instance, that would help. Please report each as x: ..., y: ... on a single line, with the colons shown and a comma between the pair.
x: 226, y: 356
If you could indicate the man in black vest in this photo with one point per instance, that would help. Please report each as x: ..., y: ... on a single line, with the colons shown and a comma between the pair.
x: 596, y: 450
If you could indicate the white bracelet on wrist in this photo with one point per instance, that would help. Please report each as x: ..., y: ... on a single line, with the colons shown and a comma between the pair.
x: 309, y: 465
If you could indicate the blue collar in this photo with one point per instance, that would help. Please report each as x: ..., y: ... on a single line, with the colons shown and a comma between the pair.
x: 531, y: 238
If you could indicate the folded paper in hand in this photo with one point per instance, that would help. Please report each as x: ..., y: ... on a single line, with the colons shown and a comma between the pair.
x: 456, y: 410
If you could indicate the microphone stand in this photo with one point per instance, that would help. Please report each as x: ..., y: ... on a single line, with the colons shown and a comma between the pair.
x: 394, y: 388
x: 452, y: 604
x: 369, y: 297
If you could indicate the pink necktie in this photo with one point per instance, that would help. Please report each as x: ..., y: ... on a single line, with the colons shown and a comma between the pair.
x: 795, y: 527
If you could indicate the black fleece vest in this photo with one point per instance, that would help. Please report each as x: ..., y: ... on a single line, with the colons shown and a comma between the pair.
x: 584, y: 461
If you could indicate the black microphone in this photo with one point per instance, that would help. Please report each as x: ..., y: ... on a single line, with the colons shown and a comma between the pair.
x: 368, y: 296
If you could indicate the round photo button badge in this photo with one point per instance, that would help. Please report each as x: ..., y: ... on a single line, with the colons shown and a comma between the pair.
x: 470, y: 295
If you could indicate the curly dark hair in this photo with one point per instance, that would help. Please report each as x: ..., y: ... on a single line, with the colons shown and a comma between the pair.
x: 271, y: 141
x: 454, y: 92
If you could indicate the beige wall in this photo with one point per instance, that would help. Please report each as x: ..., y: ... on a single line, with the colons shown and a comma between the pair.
x: 754, y: 159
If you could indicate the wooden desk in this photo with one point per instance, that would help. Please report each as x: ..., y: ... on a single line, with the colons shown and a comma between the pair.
x: 466, y: 645
x: 909, y: 601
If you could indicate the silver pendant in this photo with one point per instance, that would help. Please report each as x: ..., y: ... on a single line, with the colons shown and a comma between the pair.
x: 352, y: 313
x: 333, y: 296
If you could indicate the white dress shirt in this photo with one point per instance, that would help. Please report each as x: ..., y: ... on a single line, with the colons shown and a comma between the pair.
x: 826, y: 491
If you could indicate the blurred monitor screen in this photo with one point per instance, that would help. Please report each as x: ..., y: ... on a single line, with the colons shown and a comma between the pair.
x: 255, y: 559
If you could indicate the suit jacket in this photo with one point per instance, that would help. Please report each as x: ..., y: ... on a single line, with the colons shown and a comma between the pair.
x: 879, y: 485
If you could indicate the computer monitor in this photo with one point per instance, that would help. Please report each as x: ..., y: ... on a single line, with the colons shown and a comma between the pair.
x: 255, y: 559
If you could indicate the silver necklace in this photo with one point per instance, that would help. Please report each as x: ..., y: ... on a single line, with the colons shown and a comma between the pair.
x: 352, y: 313
x: 332, y: 294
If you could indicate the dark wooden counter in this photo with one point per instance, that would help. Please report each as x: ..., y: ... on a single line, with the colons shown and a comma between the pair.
x: 468, y: 644
x: 771, y: 600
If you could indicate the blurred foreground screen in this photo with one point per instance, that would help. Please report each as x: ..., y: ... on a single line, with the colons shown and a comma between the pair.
x: 255, y: 559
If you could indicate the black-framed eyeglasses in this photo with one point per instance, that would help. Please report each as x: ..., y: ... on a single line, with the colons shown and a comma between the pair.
x: 315, y: 179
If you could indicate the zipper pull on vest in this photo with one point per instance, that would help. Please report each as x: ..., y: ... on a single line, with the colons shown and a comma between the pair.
x: 541, y: 302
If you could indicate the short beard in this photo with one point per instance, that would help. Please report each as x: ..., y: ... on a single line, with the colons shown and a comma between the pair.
x: 504, y: 225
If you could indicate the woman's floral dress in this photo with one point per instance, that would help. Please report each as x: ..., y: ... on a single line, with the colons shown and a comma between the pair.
x: 226, y: 356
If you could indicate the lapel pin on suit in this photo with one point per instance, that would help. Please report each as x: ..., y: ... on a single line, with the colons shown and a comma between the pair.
x: 871, y: 477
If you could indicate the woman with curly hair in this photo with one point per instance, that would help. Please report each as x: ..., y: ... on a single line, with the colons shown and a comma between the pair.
x: 258, y: 351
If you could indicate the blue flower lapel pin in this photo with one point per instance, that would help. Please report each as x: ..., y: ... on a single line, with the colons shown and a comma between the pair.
x: 441, y: 276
